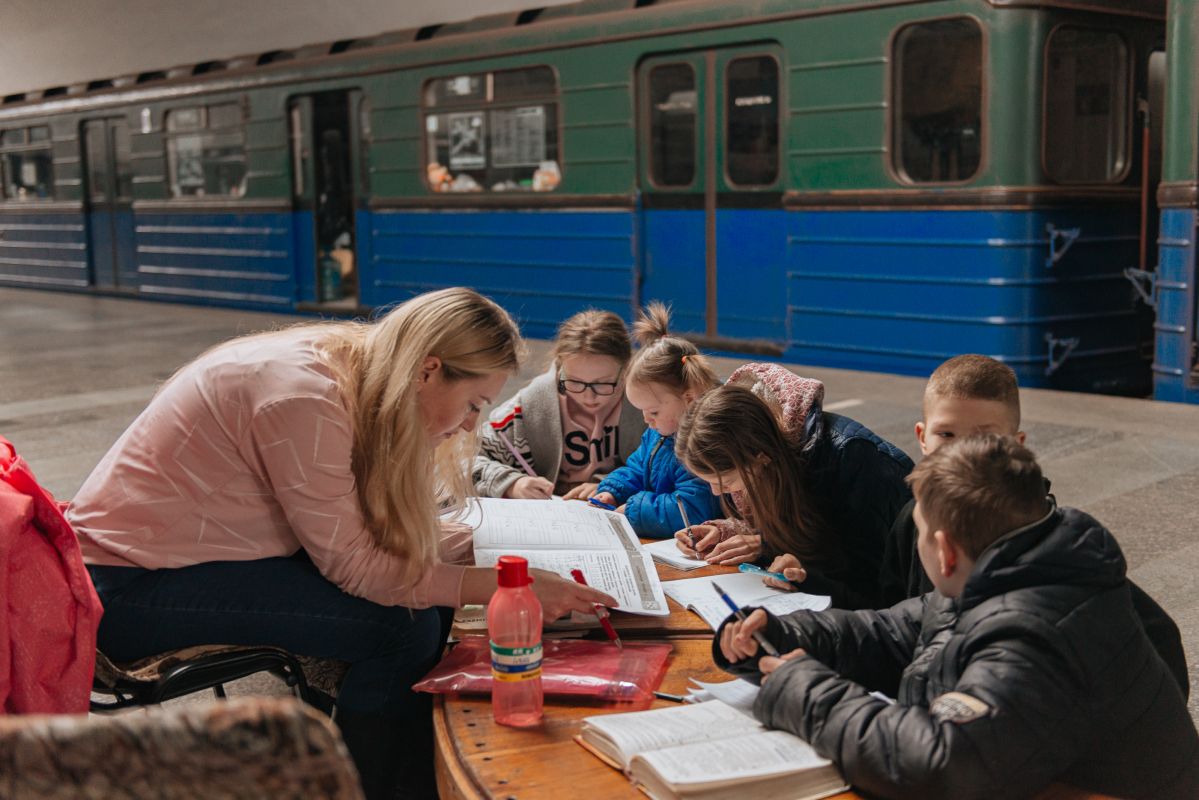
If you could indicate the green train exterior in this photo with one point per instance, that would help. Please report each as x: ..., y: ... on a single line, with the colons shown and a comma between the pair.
x: 805, y: 180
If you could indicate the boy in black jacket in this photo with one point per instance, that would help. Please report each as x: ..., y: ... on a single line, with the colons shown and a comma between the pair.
x: 972, y: 394
x: 1027, y: 665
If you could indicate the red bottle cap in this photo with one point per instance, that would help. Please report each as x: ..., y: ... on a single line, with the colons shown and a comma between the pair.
x: 514, y: 572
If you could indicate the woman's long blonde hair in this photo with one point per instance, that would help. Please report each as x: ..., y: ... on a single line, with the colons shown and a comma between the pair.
x: 402, y: 481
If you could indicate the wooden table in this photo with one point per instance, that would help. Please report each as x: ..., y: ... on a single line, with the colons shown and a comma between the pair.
x: 476, y: 759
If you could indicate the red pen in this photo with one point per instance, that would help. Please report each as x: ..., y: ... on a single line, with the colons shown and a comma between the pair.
x: 601, y: 613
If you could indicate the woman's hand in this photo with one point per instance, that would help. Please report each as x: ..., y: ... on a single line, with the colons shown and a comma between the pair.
x: 706, y: 537
x: 581, y: 492
x: 788, y: 565
x: 735, y: 550
x: 559, y: 596
x: 530, y: 488
x: 737, y: 641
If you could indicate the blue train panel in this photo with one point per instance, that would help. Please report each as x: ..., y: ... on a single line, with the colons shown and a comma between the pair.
x: 902, y: 291
x: 1174, y: 364
x: 751, y: 286
x: 674, y: 266
x: 112, y: 247
x: 43, y: 250
x: 244, y: 260
x: 542, y: 266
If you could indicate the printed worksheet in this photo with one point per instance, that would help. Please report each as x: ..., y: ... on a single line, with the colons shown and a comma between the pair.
x: 560, y: 537
x: 668, y: 553
x: 745, y: 589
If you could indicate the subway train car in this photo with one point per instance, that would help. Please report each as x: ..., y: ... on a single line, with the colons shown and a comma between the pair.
x: 863, y: 184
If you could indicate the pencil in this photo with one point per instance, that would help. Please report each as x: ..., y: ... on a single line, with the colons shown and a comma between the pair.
x: 512, y: 449
x: 687, y: 524
x: 601, y: 613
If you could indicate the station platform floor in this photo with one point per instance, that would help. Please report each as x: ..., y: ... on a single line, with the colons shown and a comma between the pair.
x: 76, y: 369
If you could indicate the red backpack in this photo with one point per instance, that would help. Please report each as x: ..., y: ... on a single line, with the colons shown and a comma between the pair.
x: 50, y: 611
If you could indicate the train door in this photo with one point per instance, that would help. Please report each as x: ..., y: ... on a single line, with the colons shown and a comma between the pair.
x: 108, y: 194
x: 323, y: 135
x: 710, y: 176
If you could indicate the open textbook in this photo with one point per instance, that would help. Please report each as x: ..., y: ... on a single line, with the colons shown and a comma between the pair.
x: 560, y: 537
x: 711, y: 751
x: 745, y: 589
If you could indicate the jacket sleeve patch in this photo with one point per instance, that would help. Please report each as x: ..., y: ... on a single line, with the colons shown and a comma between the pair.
x: 958, y: 708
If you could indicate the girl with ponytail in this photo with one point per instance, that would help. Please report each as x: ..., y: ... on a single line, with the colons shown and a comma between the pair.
x: 664, y: 378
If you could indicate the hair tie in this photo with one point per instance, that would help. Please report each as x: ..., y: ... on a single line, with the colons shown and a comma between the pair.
x: 684, y: 359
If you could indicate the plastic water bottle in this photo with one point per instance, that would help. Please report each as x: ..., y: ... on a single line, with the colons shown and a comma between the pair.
x: 514, y: 626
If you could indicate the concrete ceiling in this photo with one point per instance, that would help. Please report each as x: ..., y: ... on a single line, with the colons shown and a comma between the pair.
x: 46, y: 43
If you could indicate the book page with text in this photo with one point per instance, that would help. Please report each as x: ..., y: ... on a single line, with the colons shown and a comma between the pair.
x: 754, y: 756
x: 639, y: 731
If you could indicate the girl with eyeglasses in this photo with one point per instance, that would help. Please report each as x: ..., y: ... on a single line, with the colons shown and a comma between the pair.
x: 569, y: 426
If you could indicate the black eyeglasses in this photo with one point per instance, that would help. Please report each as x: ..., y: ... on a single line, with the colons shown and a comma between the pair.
x: 601, y: 388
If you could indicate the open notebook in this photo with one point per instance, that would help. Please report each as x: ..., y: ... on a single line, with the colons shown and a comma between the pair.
x: 711, y: 751
x: 745, y: 590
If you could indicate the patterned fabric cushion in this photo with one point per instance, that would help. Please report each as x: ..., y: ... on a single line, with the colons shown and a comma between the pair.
x: 240, y: 748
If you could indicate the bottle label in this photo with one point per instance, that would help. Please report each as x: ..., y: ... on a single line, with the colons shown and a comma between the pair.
x: 515, y: 663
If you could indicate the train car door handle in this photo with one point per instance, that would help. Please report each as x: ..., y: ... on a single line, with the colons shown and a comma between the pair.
x: 1060, y: 241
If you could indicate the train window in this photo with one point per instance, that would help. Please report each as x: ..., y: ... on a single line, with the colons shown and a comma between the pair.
x: 26, y: 165
x: 937, y: 101
x: 1086, y: 106
x: 672, y: 115
x: 752, y: 117
x: 206, y: 151
x: 498, y: 131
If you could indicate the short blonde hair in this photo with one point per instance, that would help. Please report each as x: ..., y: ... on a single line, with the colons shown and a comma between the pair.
x: 669, y: 360
x: 979, y: 488
x: 974, y: 377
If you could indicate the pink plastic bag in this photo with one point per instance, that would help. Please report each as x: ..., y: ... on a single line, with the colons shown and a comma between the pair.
x: 568, y: 667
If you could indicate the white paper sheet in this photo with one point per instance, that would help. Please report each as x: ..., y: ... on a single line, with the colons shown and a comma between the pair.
x: 745, y: 589
x: 668, y: 553
x: 563, y: 536
x: 738, y: 694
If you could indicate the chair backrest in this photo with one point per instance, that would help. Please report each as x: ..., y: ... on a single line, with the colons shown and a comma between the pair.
x: 48, y: 639
x: 243, y: 747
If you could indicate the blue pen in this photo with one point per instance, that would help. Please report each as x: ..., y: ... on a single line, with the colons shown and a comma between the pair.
x: 754, y: 569
x: 600, y: 503
x: 739, y: 614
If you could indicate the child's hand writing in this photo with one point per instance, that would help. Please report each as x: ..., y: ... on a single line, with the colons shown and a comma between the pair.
x: 768, y: 664
x: 736, y: 638
x: 581, y: 492
x: 706, y: 537
x: 734, y: 550
x: 530, y: 488
x: 790, y: 566
x: 605, y: 497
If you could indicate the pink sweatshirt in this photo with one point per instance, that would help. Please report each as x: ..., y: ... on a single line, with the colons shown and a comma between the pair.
x: 245, y: 454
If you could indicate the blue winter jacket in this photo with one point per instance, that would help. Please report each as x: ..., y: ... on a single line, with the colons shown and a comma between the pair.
x: 649, y: 483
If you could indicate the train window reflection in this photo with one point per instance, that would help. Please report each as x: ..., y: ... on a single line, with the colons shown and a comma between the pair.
x: 673, y: 106
x: 493, y: 131
x: 752, y: 118
x: 206, y: 151
x: 937, y: 101
x: 1086, y: 106
x: 26, y: 165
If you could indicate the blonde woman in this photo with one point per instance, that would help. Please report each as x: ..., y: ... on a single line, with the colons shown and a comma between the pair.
x: 283, y: 489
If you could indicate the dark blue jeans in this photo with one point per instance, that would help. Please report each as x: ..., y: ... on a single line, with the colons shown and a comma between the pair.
x: 281, y: 602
